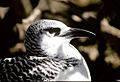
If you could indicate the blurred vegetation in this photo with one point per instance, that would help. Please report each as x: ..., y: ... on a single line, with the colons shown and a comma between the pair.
x: 99, y: 16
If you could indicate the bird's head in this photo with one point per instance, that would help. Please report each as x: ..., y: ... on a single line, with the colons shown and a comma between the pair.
x: 45, y: 37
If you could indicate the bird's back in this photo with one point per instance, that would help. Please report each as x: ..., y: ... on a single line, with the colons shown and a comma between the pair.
x: 33, y: 68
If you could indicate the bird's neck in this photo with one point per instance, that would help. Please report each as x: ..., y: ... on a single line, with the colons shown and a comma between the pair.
x: 67, y: 51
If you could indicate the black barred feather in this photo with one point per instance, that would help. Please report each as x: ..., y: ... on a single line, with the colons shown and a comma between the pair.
x: 32, y: 69
x: 49, y: 56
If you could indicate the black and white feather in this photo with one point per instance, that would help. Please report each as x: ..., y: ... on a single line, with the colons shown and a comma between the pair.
x: 49, y: 55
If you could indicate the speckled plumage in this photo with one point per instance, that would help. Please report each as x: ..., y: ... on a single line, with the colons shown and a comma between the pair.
x: 33, y: 68
x: 49, y: 56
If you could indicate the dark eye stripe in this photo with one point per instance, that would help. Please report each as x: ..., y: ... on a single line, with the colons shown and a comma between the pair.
x: 53, y: 30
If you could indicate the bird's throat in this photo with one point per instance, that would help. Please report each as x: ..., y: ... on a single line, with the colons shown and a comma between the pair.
x: 67, y: 51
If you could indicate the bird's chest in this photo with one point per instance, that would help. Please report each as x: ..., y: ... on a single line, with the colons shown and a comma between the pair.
x: 59, y: 70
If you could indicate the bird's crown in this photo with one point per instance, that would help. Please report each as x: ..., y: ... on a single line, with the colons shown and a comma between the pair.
x: 46, y: 23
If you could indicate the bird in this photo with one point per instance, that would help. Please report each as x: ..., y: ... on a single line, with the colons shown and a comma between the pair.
x: 49, y: 55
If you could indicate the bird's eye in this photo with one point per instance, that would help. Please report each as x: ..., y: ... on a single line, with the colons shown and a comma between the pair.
x: 56, y: 31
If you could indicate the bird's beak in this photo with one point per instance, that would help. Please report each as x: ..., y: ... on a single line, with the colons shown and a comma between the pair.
x: 77, y: 33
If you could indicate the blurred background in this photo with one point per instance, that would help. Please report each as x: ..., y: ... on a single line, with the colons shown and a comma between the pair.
x: 102, y: 53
